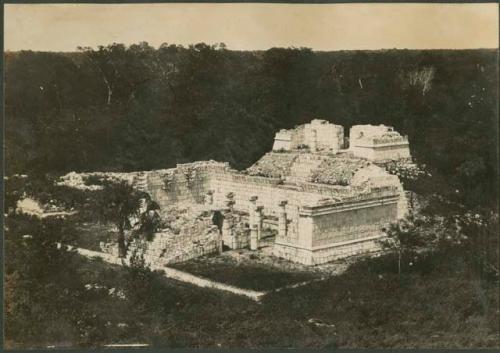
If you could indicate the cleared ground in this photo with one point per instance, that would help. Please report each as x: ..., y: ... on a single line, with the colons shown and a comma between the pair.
x: 256, y: 270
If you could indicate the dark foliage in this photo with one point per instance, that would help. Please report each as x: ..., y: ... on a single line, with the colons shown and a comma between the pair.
x: 140, y: 108
x: 43, y: 291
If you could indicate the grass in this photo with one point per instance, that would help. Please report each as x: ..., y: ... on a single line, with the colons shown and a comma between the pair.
x: 89, y: 235
x: 244, y: 274
x: 365, y: 307
x: 368, y: 306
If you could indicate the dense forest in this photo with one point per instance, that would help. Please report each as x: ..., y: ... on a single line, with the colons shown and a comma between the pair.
x: 122, y: 108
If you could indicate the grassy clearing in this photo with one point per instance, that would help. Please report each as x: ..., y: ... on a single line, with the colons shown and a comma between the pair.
x: 245, y: 274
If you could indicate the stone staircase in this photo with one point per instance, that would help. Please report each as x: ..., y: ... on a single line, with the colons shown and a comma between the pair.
x: 141, y: 182
x: 302, y: 167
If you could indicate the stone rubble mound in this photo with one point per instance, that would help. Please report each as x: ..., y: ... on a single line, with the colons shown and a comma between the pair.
x: 273, y: 165
x: 337, y: 171
x: 84, y: 181
x: 187, y: 233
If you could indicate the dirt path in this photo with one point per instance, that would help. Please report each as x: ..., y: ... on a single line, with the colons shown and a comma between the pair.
x: 179, y: 275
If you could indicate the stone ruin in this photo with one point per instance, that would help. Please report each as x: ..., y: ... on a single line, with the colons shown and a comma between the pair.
x: 375, y: 143
x: 323, y: 201
x: 378, y: 143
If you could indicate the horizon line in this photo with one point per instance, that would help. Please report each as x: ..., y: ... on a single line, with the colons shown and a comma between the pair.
x: 247, y: 50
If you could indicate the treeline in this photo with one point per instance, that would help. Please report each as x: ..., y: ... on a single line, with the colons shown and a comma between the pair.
x: 139, y: 108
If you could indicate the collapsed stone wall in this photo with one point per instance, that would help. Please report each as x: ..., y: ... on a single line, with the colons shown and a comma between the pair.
x: 167, y: 247
x: 273, y: 165
x: 190, y: 234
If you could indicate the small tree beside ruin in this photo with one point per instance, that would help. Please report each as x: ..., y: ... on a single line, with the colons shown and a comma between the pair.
x: 127, y: 209
x: 406, y: 239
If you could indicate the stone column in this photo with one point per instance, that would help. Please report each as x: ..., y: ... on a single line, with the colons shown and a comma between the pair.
x: 230, y: 201
x: 220, y: 242
x: 259, y: 220
x: 282, y: 220
x: 226, y: 226
x: 230, y: 206
x: 314, y: 139
x: 209, y: 198
x: 254, y: 241
x: 251, y: 210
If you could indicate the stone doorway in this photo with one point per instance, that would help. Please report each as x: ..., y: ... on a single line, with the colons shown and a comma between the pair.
x: 218, y: 220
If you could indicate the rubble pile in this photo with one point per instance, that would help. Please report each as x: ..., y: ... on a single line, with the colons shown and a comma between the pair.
x: 94, y: 181
x: 389, y: 137
x: 273, y: 165
x: 77, y: 181
x: 35, y: 208
x: 337, y: 171
x: 406, y: 169
x: 188, y: 232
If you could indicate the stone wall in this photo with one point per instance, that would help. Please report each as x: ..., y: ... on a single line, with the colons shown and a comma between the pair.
x: 283, y: 140
x: 269, y: 191
x: 378, y: 143
x: 352, y: 224
x: 320, y: 135
x: 383, y: 152
x: 353, y: 213
x: 374, y: 175
x: 327, y: 254
x: 337, y: 230
x: 187, y: 183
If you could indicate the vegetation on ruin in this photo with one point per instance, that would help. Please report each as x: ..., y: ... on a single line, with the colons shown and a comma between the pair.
x: 272, y: 165
x: 336, y: 171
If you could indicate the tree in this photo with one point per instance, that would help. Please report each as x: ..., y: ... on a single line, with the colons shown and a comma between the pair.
x: 479, y: 243
x: 128, y: 209
x: 406, y: 238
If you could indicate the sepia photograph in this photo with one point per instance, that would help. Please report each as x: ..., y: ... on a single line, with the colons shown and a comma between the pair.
x: 251, y: 176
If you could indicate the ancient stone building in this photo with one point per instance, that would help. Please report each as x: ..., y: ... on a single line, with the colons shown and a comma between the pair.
x: 378, y: 143
x: 323, y: 201
x: 318, y: 135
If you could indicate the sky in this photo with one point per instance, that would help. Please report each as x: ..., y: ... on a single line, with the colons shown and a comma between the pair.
x: 64, y: 27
